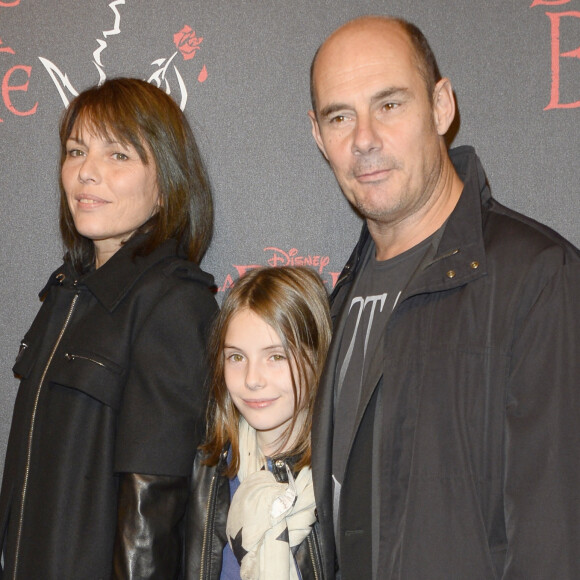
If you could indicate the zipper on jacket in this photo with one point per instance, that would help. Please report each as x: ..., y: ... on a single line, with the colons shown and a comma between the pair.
x: 310, y: 541
x: 31, y: 433
x: 209, y: 511
x: 72, y: 357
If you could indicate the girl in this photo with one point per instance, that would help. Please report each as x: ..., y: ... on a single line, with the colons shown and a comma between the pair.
x: 252, y: 510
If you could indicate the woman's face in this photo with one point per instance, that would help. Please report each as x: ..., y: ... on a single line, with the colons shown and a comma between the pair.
x: 257, y: 376
x: 109, y: 190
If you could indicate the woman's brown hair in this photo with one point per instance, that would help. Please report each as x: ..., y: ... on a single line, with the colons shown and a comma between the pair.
x: 138, y: 113
x: 294, y: 302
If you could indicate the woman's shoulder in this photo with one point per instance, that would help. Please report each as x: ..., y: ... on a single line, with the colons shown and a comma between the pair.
x: 173, y: 278
x: 184, y: 269
x: 166, y: 260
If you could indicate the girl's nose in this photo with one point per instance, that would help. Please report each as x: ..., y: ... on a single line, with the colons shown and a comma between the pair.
x: 254, y: 377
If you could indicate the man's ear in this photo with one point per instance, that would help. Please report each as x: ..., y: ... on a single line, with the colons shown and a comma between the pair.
x: 316, y: 133
x: 443, y: 105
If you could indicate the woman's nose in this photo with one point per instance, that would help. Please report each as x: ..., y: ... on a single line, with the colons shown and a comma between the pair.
x: 89, y: 170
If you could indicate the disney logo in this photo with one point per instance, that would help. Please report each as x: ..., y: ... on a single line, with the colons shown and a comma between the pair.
x: 278, y: 257
x: 281, y: 258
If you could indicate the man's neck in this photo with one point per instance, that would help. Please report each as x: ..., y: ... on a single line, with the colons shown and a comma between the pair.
x: 392, y: 239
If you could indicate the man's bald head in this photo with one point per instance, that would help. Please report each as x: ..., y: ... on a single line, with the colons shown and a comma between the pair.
x: 360, y: 28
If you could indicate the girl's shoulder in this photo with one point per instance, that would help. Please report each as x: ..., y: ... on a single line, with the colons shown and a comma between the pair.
x: 203, y: 464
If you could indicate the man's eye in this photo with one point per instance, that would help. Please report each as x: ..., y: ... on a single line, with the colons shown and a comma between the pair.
x: 390, y: 106
x: 338, y: 119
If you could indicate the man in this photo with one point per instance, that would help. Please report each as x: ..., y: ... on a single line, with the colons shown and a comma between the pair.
x: 446, y: 441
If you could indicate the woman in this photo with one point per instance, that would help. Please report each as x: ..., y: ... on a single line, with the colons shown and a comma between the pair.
x: 252, y: 510
x: 110, y: 406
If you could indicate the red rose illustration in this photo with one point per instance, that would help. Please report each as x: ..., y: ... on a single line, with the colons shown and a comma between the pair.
x: 186, y: 42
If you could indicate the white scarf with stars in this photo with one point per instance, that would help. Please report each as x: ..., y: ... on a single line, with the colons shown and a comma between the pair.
x: 267, y: 520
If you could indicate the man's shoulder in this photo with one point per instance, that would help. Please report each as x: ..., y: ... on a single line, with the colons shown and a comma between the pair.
x: 510, y: 234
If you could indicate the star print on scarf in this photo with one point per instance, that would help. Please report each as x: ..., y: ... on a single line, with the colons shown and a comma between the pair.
x: 267, y: 520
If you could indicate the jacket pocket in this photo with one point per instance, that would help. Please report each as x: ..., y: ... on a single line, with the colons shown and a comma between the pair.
x: 90, y: 373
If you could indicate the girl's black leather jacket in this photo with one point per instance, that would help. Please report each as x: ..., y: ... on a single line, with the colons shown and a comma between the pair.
x: 205, y: 535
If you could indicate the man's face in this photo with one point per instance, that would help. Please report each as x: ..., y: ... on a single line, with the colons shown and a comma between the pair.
x: 375, y: 122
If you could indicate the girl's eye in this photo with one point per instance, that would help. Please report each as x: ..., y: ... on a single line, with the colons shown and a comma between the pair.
x: 235, y: 357
x: 278, y: 357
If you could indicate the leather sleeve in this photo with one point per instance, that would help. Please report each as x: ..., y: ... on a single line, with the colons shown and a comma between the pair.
x: 148, y: 543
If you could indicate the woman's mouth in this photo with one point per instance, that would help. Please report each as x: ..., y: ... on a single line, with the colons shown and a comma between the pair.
x: 88, y: 201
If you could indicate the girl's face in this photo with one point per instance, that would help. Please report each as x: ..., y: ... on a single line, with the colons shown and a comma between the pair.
x: 257, y: 376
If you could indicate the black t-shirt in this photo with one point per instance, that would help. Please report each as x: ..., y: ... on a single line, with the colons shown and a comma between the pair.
x: 376, y: 293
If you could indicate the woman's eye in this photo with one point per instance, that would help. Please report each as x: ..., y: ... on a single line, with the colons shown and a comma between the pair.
x: 120, y: 156
x: 278, y: 357
x: 235, y: 357
x: 74, y: 153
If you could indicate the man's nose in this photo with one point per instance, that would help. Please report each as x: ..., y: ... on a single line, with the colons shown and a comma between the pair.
x: 365, y: 136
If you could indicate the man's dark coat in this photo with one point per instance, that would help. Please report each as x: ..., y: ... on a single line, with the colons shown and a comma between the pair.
x: 480, y: 376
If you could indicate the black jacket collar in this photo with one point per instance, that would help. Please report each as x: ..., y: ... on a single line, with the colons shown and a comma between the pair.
x: 113, y: 281
x: 460, y: 254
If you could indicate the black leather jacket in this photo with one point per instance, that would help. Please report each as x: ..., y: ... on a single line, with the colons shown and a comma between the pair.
x: 209, y: 502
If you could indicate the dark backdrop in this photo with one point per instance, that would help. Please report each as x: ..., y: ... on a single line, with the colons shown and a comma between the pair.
x: 515, y: 66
